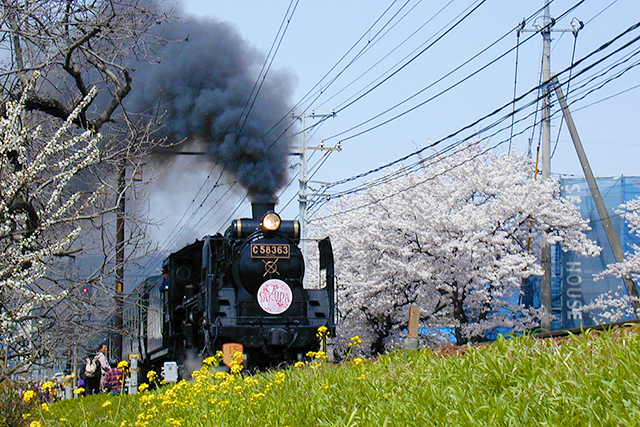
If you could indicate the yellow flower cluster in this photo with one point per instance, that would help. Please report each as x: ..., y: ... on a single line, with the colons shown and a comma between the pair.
x: 355, y: 341
x: 79, y: 391
x: 143, y: 387
x: 236, y: 362
x: 124, y: 365
x: 28, y: 396
x: 279, y: 378
x: 322, y: 333
x: 47, y: 386
x: 213, y: 360
x: 152, y: 376
x: 318, y: 355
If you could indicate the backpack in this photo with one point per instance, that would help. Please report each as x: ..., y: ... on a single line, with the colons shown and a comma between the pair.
x: 90, y: 367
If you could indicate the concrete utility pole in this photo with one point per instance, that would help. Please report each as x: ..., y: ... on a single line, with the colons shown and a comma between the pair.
x: 614, y: 242
x: 303, y: 180
x: 546, y: 29
x: 545, y: 287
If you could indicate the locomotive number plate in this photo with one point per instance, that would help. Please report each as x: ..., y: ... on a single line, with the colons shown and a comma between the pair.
x: 273, y: 250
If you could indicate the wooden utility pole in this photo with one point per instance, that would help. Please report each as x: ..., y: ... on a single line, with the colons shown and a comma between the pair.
x: 120, y: 240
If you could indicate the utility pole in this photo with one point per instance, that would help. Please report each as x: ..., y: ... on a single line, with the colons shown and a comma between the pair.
x: 303, y: 180
x: 120, y: 240
x: 546, y: 29
x: 545, y: 286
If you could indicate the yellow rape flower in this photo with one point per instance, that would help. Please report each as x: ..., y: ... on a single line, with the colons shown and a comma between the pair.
x: 28, y: 396
x: 123, y: 364
x: 35, y: 424
x: 209, y: 360
x: 107, y: 403
x: 79, y: 390
x: 238, y: 357
x: 152, y: 375
x: 45, y: 407
x: 358, y: 361
x: 355, y: 341
x: 47, y: 386
x: 143, y: 387
x: 322, y: 332
x: 220, y: 375
x: 279, y: 377
x: 321, y: 355
x: 235, y: 368
x: 298, y: 364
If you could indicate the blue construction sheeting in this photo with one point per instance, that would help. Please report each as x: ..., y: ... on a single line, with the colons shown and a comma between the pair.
x: 573, y: 283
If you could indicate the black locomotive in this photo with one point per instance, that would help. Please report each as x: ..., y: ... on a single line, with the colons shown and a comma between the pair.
x: 243, y: 289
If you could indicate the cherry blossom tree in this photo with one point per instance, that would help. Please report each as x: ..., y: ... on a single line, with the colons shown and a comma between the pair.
x: 614, y: 306
x: 77, y: 45
x: 455, y: 236
x: 38, y: 167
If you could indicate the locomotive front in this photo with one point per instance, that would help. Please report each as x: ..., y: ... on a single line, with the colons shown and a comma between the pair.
x: 262, y: 304
x: 268, y: 263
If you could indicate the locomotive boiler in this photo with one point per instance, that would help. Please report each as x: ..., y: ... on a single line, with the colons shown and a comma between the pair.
x: 244, y: 289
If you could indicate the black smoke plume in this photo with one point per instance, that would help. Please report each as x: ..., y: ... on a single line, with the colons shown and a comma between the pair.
x: 201, y: 87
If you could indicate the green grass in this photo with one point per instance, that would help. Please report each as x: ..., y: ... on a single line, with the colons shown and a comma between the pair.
x: 593, y: 379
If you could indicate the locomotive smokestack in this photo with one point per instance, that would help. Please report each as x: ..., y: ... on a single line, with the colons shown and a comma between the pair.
x: 259, y: 209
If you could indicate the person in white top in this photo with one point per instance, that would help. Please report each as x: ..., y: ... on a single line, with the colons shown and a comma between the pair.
x: 94, y: 382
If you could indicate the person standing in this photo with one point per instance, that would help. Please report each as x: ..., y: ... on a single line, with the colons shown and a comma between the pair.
x: 93, y: 380
x: 114, y: 378
x: 67, y: 383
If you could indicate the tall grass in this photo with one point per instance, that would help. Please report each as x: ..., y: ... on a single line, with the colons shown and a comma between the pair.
x: 592, y: 379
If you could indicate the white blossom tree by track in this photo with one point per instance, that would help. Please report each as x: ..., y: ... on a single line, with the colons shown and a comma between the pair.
x: 42, y: 168
x: 76, y: 45
x: 453, y: 238
x: 614, y: 306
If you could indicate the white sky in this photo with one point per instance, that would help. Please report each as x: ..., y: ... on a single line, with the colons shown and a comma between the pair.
x: 320, y: 33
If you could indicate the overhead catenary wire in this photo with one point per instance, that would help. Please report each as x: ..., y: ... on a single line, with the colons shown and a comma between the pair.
x: 413, y: 58
x: 588, y: 67
x: 459, y: 82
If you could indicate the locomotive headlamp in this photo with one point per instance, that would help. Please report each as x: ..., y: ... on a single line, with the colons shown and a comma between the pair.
x: 271, y: 221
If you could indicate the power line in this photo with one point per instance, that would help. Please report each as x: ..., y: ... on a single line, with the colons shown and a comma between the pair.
x: 569, y: 69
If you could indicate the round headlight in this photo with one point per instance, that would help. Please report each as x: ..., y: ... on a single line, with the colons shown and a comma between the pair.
x: 271, y: 221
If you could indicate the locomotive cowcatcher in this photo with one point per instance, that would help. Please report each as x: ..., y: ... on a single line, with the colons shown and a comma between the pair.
x: 244, y: 287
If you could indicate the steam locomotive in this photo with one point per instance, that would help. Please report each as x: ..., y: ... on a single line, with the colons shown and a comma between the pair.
x: 242, y: 290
